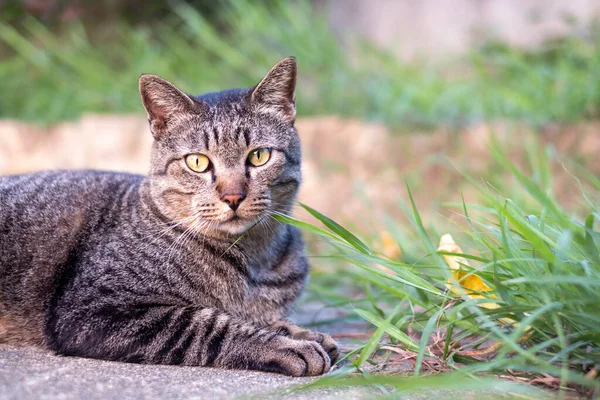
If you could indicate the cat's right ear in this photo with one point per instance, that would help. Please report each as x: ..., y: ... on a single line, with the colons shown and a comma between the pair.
x: 164, y: 102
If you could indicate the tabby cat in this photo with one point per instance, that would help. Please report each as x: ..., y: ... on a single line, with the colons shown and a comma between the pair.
x: 183, y: 266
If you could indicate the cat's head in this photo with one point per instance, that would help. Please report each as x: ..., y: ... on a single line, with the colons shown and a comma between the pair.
x: 221, y: 162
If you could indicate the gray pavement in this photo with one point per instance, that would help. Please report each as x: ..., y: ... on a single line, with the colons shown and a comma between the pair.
x: 27, y: 373
x: 30, y: 373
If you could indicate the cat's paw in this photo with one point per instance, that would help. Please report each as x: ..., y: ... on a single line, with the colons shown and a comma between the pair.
x: 297, y: 358
x: 326, y: 341
x: 295, y: 332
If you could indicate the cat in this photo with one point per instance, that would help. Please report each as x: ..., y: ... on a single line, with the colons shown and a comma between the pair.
x: 183, y: 266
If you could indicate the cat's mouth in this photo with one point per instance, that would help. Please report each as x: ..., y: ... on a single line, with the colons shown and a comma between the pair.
x: 232, y: 222
x: 236, y: 224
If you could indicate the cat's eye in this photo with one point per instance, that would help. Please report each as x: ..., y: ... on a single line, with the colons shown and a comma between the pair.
x: 197, y: 162
x: 259, y: 157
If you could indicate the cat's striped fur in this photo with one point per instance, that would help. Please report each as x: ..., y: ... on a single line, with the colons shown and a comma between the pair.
x: 158, y: 269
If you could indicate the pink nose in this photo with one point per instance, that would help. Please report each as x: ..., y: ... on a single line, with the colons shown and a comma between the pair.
x: 233, y: 200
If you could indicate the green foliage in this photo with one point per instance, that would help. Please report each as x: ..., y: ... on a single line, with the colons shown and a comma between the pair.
x: 540, y: 260
x: 97, y: 14
x: 47, y: 76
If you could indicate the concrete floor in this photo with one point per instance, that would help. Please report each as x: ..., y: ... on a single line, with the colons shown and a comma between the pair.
x: 30, y: 373
x: 34, y: 374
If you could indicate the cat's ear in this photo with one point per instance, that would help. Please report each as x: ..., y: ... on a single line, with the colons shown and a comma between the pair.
x: 164, y: 102
x: 275, y: 94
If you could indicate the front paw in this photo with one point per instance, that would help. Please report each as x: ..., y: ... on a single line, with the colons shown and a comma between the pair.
x: 295, y: 332
x: 296, y: 357
x: 326, y: 341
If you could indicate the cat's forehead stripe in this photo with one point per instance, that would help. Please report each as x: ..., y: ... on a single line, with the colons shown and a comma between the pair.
x: 246, y: 132
x: 215, y: 135
x: 205, y: 142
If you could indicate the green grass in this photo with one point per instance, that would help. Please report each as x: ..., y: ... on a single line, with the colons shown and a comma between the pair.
x: 541, y: 261
x: 47, y: 76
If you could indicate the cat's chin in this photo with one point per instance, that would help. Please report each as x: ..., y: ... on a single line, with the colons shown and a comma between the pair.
x: 235, y: 226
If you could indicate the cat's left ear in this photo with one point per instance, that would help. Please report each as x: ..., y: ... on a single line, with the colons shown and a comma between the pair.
x: 275, y: 94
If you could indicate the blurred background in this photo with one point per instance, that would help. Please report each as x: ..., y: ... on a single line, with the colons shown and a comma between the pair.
x: 403, y: 85
x: 487, y: 110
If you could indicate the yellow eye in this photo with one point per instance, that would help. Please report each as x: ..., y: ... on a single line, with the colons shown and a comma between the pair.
x: 259, y: 157
x: 197, y: 162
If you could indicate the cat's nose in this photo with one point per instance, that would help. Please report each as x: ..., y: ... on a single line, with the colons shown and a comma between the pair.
x: 233, y: 200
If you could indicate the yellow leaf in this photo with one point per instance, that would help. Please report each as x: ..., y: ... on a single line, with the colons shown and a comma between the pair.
x: 469, y: 282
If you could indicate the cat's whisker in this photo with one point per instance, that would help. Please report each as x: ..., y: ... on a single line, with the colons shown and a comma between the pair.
x: 181, y: 239
x: 175, y: 221
x: 266, y: 222
x: 189, y: 234
x: 173, y: 224
x: 174, y: 245
x: 275, y: 212
x: 162, y: 233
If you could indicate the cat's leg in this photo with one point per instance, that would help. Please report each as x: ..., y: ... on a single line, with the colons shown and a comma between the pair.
x: 295, y: 332
x: 183, y: 335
